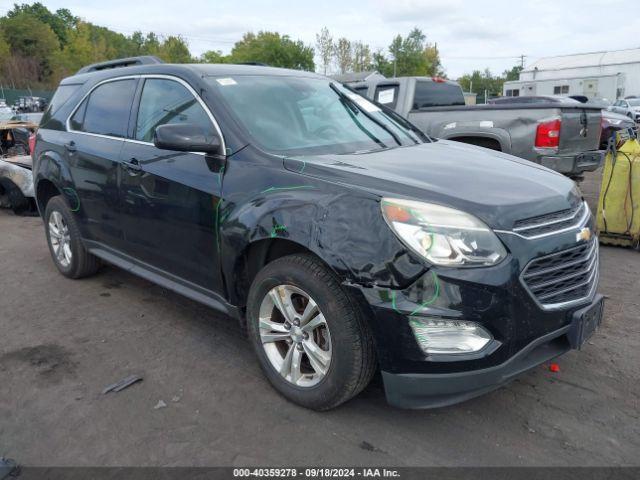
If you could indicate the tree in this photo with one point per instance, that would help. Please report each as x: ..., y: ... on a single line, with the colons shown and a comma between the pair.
x: 324, y: 44
x: 432, y: 58
x: 174, y: 50
x: 382, y: 64
x: 513, y: 74
x: 395, y: 49
x: 485, y: 81
x: 481, y: 82
x: 32, y: 44
x: 213, y: 56
x: 342, y: 53
x: 361, y: 57
x: 273, y: 49
x: 60, y: 22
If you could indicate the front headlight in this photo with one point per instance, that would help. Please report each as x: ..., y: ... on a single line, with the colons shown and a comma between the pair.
x: 443, y: 235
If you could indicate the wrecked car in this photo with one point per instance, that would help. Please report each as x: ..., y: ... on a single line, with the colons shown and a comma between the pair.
x: 16, y: 180
x: 343, y: 239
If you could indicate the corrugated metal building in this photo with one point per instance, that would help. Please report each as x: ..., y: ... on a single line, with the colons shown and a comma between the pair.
x: 608, y: 75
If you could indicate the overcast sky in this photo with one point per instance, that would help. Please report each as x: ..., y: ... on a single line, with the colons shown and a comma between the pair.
x: 470, y: 35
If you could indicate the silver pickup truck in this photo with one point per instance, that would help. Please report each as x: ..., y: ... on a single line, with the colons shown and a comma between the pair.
x: 563, y: 136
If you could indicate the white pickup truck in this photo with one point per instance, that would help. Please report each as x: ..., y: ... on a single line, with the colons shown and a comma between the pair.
x: 562, y: 136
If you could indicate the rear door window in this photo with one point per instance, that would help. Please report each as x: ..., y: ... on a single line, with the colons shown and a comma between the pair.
x: 106, y: 110
x: 437, y: 94
x: 168, y: 102
x: 387, y: 95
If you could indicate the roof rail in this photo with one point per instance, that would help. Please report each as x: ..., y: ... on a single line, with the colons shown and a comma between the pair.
x: 120, y: 62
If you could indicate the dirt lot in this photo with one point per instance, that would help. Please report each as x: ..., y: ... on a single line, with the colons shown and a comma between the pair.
x: 63, y: 341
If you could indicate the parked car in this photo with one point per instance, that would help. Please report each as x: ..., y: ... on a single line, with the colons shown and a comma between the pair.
x: 30, y: 104
x: 342, y: 238
x: 5, y: 113
x: 16, y: 180
x: 629, y: 107
x: 613, y: 122
x: 563, y: 137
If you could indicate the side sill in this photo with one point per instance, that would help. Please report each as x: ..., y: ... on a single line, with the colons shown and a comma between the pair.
x: 162, y: 278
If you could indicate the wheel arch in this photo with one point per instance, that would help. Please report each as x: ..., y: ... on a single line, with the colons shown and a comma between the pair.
x: 51, y: 177
x: 497, y: 137
x: 45, y: 191
x: 255, y: 257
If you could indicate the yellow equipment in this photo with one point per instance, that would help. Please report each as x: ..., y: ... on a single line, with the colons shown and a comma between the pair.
x: 619, y: 202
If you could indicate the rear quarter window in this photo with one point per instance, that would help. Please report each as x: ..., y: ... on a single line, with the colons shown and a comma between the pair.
x: 437, y: 94
x: 387, y: 95
x: 60, y: 97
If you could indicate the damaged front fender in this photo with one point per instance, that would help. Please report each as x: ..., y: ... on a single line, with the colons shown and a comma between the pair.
x: 341, y: 225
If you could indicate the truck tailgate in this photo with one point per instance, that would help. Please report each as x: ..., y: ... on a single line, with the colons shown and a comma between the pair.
x: 580, y: 130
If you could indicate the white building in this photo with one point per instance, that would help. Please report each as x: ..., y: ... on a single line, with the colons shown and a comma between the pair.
x: 608, y: 75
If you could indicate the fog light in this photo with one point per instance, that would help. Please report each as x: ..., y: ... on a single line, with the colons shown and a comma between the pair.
x: 437, y: 336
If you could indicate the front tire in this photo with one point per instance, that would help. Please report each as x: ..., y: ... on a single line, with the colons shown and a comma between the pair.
x: 63, y: 236
x: 310, y: 337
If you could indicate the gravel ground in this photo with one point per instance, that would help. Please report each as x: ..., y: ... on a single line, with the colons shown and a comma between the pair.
x: 63, y: 341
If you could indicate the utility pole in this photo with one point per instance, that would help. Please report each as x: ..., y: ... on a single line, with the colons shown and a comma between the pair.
x: 522, y: 60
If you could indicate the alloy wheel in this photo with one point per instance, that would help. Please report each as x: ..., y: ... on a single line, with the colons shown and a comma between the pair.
x: 60, y: 239
x: 295, y: 335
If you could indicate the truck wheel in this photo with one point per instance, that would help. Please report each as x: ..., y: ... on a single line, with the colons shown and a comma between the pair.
x: 65, y: 245
x: 310, y: 338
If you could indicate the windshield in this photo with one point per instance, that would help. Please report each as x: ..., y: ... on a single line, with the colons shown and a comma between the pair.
x: 635, y: 102
x: 306, y: 116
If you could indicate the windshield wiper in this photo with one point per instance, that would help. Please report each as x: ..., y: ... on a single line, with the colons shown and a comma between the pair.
x: 348, y: 99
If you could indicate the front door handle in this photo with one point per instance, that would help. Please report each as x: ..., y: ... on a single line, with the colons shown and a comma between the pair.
x: 132, y: 166
x: 70, y: 146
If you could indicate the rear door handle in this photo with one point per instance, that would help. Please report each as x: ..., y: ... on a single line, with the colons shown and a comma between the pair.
x: 132, y: 166
x: 70, y: 146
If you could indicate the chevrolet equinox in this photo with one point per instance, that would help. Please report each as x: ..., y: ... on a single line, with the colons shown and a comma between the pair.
x: 344, y: 240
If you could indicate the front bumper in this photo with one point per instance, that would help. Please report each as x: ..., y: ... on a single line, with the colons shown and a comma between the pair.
x: 573, y: 164
x: 525, y: 333
x: 440, y: 390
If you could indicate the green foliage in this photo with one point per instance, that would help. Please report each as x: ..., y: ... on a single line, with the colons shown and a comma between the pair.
x: 38, y: 47
x: 362, y: 59
x: 28, y: 36
x: 409, y: 56
x: 513, y: 74
x: 213, y: 56
x: 174, y: 50
x: 60, y: 21
x: 484, y: 81
x: 272, y: 49
x: 269, y: 48
x: 342, y: 52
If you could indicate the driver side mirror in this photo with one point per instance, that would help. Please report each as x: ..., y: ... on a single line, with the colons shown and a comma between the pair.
x: 187, y: 137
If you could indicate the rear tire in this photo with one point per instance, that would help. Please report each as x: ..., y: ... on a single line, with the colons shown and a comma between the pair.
x: 65, y: 244
x: 347, y: 361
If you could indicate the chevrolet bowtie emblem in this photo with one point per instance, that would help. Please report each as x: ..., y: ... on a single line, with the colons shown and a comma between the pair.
x: 584, y: 235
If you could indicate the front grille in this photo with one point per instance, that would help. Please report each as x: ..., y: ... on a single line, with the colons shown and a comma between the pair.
x: 551, y: 222
x: 563, y: 277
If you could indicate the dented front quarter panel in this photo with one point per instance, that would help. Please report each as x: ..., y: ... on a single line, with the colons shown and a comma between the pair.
x: 342, y: 225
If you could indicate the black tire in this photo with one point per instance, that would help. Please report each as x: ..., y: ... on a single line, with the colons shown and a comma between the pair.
x: 82, y: 263
x: 353, y: 359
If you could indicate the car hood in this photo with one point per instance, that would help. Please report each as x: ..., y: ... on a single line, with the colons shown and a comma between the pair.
x: 498, y: 188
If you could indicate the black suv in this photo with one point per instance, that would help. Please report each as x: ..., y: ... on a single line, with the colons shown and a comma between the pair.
x: 341, y: 237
